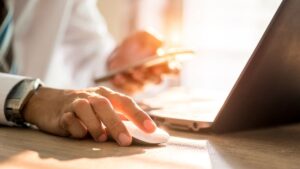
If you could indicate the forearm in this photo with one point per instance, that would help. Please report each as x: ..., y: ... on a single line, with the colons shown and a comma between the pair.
x: 89, y: 44
x: 36, y: 104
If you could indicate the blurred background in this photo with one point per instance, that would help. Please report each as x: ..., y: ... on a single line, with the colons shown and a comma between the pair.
x: 223, y: 33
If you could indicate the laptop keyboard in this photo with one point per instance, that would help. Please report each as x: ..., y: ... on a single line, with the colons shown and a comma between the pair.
x: 182, y: 104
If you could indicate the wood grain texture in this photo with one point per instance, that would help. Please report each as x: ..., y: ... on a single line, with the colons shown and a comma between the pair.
x: 269, y: 148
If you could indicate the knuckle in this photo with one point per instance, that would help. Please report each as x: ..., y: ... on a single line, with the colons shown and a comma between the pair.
x: 105, y: 91
x: 102, y: 101
x: 83, y: 95
x: 78, y: 103
x: 121, y: 95
x: 101, y: 89
x: 128, y: 100
x: 79, y: 94
x: 115, y: 95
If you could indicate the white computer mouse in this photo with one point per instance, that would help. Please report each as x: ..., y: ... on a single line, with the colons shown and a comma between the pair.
x: 140, y: 137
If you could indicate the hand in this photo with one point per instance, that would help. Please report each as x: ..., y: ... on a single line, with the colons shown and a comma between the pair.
x: 140, y: 45
x: 75, y: 113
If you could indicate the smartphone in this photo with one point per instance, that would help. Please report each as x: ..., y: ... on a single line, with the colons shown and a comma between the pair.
x: 159, y: 58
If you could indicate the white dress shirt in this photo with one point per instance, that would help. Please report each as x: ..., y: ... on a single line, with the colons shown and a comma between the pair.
x: 65, y: 43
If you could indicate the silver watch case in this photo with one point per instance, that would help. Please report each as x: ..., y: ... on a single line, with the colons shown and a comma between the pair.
x: 17, y: 98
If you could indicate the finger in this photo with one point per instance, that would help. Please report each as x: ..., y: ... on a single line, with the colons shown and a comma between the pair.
x: 122, y: 117
x: 85, y: 113
x: 156, y: 73
x: 153, y: 77
x: 130, y: 109
x: 149, y: 41
x: 162, y: 68
x: 72, y: 125
x: 170, y: 67
x: 119, y: 80
x: 138, y: 75
x: 109, y: 117
x: 174, y: 68
x: 128, y: 84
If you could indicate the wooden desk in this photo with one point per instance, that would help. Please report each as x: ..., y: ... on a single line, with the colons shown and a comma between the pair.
x: 269, y: 148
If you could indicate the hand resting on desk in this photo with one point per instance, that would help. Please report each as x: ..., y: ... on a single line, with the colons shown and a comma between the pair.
x: 75, y: 113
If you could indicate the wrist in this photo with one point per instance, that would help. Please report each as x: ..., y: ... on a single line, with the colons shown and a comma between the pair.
x: 29, y: 107
x: 38, y: 104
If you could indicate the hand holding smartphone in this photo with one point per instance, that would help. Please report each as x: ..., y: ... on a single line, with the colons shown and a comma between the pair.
x: 160, y: 57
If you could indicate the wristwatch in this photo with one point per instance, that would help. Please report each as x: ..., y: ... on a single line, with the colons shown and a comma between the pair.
x: 17, y: 98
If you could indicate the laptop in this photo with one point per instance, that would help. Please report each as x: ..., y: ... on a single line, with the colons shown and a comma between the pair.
x: 267, y: 92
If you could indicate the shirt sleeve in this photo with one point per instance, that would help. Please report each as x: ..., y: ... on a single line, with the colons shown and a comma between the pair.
x: 7, y: 82
x: 84, y: 48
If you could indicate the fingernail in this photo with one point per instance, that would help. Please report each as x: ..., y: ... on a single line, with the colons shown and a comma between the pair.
x: 102, y: 138
x: 149, y: 125
x: 124, y: 140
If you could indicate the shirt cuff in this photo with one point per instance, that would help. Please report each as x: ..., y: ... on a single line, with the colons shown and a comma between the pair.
x: 7, y: 83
